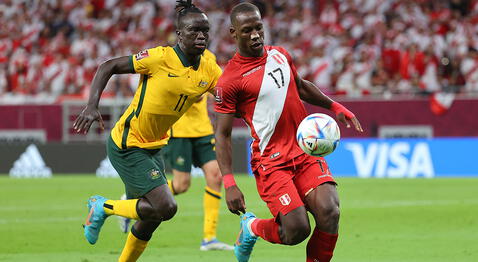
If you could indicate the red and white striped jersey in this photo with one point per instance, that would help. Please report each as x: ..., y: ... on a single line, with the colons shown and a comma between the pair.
x: 263, y: 92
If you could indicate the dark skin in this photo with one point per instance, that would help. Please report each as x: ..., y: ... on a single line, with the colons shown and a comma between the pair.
x: 322, y: 202
x: 193, y: 35
x: 157, y: 205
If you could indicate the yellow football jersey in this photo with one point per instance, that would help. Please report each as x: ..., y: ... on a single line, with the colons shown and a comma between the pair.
x: 195, y: 122
x: 168, y: 86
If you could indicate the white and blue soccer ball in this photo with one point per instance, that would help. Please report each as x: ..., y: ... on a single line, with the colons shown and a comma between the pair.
x: 318, y: 135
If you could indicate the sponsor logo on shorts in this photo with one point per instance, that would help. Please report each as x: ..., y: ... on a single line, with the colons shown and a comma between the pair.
x: 141, y: 55
x: 154, y: 174
x: 180, y: 161
x: 274, y: 155
x: 285, y: 199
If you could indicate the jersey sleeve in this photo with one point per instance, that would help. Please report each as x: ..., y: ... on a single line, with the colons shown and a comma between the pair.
x: 216, y: 74
x: 226, y: 96
x: 147, y: 61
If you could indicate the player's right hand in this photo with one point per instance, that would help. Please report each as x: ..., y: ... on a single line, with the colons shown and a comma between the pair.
x: 235, y: 200
x: 86, y: 118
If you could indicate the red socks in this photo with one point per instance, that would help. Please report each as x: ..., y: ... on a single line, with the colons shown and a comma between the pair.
x: 320, y: 247
x: 267, y: 229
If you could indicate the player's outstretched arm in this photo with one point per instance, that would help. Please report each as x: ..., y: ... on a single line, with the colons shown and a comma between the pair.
x: 120, y: 65
x: 234, y: 197
x: 311, y: 94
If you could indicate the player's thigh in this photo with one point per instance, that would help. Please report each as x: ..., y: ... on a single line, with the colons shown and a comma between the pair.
x: 322, y: 199
x: 278, y: 190
x: 179, y: 154
x: 139, y: 169
x: 323, y: 203
x: 204, y: 150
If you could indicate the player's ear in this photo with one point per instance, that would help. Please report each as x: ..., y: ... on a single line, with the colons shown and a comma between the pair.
x: 232, y: 32
x: 178, y: 34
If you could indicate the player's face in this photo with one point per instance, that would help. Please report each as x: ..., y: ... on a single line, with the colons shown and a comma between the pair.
x: 194, y: 33
x: 248, y: 31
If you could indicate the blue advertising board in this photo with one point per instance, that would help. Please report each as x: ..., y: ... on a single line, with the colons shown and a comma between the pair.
x: 405, y: 158
x: 402, y: 158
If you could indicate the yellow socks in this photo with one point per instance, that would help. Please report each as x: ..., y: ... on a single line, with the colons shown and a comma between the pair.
x: 170, y: 185
x: 133, y: 248
x: 123, y: 208
x: 211, y: 202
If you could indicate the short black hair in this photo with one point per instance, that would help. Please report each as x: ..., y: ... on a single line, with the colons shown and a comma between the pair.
x: 242, y: 8
x: 184, y: 7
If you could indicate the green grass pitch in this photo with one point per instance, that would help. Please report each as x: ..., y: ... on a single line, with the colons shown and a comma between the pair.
x: 383, y: 220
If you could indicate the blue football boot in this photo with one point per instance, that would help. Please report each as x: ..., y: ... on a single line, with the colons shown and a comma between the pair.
x: 96, y: 218
x: 246, y: 240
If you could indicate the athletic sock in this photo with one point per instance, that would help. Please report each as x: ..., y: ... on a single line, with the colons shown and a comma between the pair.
x: 267, y: 229
x: 133, y: 248
x: 211, y: 202
x: 123, y: 208
x: 321, y: 246
x: 171, y: 187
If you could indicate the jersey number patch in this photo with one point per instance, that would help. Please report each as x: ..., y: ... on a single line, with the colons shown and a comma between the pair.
x: 181, y: 101
x: 277, y: 72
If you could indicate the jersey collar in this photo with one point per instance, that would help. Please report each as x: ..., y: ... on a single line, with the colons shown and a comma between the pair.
x: 184, y: 59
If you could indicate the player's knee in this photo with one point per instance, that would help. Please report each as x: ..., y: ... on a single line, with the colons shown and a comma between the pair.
x: 168, y: 210
x: 164, y: 211
x: 296, y: 233
x: 331, y: 213
x: 216, y: 178
x: 182, y: 186
x: 329, y: 217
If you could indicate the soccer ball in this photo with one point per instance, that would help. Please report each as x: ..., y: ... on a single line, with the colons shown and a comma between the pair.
x: 318, y: 135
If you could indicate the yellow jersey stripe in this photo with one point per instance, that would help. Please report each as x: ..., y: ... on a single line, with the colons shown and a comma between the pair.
x: 134, y: 112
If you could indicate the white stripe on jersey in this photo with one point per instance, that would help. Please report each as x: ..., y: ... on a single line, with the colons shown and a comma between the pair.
x: 272, y: 95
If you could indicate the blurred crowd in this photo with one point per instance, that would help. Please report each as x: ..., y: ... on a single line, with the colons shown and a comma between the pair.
x: 50, y: 49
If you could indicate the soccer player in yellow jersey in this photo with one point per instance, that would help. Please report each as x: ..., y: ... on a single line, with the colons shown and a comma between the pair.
x: 172, y: 79
x: 192, y: 142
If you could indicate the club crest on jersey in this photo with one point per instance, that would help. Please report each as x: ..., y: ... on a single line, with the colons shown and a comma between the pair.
x: 202, y: 84
x: 154, y: 174
x: 141, y: 55
x: 218, y: 96
x: 285, y: 199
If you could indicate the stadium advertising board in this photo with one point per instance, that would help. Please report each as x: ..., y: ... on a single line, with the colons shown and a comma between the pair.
x: 405, y: 158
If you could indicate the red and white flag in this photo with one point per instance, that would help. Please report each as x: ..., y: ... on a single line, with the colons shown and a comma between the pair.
x: 440, y: 102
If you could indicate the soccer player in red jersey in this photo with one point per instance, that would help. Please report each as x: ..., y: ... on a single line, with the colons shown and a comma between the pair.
x: 260, y: 84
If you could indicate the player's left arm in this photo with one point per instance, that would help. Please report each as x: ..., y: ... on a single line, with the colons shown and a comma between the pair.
x: 311, y: 94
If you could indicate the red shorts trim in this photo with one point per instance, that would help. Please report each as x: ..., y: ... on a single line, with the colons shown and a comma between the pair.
x: 285, y: 188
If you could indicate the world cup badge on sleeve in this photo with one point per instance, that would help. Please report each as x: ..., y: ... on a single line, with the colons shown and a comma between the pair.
x: 141, y: 55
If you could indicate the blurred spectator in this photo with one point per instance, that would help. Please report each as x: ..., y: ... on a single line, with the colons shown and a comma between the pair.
x: 50, y: 49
